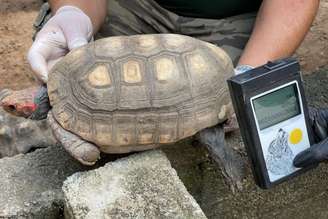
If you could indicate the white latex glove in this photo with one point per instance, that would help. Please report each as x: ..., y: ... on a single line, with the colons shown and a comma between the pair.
x: 68, y: 29
x: 240, y: 69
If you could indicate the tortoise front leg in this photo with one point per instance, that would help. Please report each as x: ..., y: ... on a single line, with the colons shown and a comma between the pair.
x: 230, y: 161
x: 83, y: 151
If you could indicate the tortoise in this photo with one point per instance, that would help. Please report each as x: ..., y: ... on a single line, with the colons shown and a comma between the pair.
x: 133, y: 93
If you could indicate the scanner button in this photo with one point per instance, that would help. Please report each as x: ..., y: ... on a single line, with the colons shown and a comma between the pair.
x: 275, y: 64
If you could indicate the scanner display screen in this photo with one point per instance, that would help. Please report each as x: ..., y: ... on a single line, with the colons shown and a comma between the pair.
x: 277, y: 106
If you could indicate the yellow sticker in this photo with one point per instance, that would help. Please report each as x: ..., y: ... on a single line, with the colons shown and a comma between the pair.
x: 295, y: 136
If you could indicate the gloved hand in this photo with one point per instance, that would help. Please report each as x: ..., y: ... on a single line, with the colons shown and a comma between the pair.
x: 69, y: 28
x: 319, y: 151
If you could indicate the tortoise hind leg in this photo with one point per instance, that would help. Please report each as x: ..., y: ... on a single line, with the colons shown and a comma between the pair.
x: 83, y: 151
x: 230, y: 162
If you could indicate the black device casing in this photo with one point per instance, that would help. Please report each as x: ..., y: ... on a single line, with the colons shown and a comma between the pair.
x: 244, y: 86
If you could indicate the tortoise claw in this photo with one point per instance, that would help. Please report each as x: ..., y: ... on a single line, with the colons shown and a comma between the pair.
x: 231, y: 124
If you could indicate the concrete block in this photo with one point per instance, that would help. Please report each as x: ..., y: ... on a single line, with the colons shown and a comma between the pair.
x: 143, y: 185
x: 30, y: 185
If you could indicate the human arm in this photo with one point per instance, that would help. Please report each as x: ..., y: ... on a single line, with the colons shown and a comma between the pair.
x: 95, y: 9
x: 72, y: 25
x: 279, y: 29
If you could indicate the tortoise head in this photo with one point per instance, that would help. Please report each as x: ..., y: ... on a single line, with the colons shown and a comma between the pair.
x: 29, y: 103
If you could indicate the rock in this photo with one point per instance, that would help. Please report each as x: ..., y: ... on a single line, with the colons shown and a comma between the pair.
x: 30, y: 185
x: 143, y: 185
x: 19, y: 135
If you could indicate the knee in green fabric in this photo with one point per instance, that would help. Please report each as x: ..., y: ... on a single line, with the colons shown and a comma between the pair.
x: 42, y: 18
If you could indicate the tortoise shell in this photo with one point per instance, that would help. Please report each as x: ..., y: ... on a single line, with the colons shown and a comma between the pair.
x: 131, y: 93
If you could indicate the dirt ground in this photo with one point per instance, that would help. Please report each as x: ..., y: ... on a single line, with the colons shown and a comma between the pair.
x: 17, y: 16
x: 16, y: 19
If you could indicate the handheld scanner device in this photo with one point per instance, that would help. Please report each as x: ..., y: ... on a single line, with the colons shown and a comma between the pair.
x: 272, y: 114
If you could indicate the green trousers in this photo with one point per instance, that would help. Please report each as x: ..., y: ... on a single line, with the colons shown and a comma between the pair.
x: 126, y: 17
